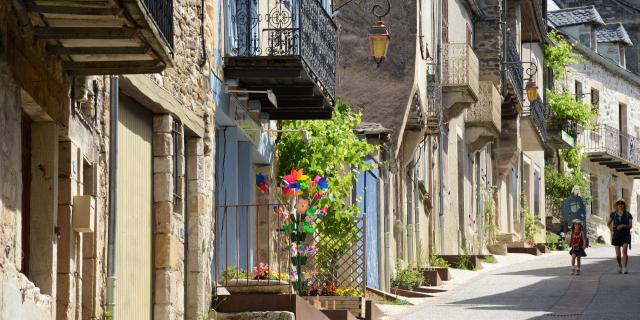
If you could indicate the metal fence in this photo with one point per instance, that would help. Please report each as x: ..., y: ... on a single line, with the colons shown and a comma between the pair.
x: 514, y: 68
x: 288, y: 28
x: 162, y: 13
x: 247, y: 236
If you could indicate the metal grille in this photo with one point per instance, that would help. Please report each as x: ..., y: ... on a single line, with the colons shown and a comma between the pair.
x: 607, y: 139
x: 341, y: 257
x: 538, y: 112
x: 300, y: 28
x: 514, y: 67
x: 162, y: 13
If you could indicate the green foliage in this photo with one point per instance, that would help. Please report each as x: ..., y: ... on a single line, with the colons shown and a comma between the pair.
x: 573, y: 157
x: 334, y: 151
x: 464, y: 262
x: 555, y: 242
x: 490, y: 226
x: 559, y: 54
x: 406, y: 278
x: 531, y: 228
x: 565, y: 106
x: 348, y: 292
x: 558, y: 186
x: 337, y: 239
x: 231, y: 273
x: 107, y: 315
x: 436, y: 260
x: 489, y: 259
x: 397, y: 302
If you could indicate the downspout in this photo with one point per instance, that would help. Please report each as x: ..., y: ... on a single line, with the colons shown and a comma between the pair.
x: 441, y: 137
x: 113, y: 188
x: 416, y: 219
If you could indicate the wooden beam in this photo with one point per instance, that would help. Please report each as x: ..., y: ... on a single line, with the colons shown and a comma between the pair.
x: 267, y: 74
x: 113, y: 67
x: 85, y: 11
x: 60, y: 50
x: 84, y: 33
x: 608, y: 163
x: 626, y: 169
x: 618, y: 166
x: 600, y: 159
x: 284, y: 90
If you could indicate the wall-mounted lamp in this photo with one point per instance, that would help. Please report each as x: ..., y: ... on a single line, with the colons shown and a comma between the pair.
x: 379, y: 36
x: 270, y: 95
x: 531, y: 88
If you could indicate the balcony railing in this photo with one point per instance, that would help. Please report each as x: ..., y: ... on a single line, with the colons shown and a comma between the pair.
x: 514, y: 67
x: 162, y: 13
x: 537, y: 112
x: 461, y: 68
x: 611, y: 141
x: 487, y: 110
x: 286, y: 28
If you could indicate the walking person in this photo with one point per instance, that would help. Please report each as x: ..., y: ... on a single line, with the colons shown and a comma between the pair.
x: 619, y: 223
x: 577, y: 243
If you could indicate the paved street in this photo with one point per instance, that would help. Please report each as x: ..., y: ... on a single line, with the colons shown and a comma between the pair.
x: 543, y: 289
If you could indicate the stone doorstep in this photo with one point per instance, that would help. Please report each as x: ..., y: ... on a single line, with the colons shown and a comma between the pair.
x: 534, y: 251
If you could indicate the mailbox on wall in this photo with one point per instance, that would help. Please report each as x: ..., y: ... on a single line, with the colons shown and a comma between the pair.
x: 84, y: 208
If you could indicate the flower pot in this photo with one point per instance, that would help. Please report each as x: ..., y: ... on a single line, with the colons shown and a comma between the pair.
x: 298, y: 236
x: 299, y: 260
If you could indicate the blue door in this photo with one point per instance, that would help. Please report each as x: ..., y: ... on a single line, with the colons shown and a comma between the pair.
x: 367, y: 193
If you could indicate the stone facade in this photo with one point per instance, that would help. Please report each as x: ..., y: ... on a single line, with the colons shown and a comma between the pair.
x: 48, y: 269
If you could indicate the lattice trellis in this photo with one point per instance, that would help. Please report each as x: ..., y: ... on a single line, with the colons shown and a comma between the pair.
x: 341, y: 258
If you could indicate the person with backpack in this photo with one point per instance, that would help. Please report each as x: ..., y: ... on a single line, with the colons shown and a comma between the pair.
x: 577, y: 243
x: 620, y: 222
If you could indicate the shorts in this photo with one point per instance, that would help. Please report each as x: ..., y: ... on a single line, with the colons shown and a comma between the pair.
x: 619, y: 240
x: 579, y: 252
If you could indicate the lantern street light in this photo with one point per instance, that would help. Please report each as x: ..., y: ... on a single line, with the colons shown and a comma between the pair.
x: 532, y: 90
x: 379, y: 37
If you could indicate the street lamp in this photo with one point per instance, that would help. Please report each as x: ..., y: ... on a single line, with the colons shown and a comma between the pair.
x: 379, y: 37
x: 532, y: 90
x: 379, y: 42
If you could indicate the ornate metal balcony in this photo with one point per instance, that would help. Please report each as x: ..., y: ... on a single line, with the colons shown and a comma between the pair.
x: 483, y: 119
x: 288, y: 46
x: 561, y: 133
x: 613, y: 148
x: 104, y: 37
x: 536, y: 112
x: 514, y: 74
x: 460, y: 72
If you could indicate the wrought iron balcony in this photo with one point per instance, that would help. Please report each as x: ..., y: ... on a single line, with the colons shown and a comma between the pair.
x: 561, y: 133
x: 104, y: 37
x: 613, y: 148
x: 288, y: 46
x: 483, y: 120
x: 514, y: 71
x: 536, y: 112
x: 460, y: 72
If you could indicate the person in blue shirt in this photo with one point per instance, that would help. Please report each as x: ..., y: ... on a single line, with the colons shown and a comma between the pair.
x: 620, y: 222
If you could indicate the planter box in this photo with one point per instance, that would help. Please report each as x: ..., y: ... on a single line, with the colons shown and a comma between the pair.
x: 242, y: 286
x: 409, y: 293
x: 355, y: 305
x: 454, y: 259
x: 543, y: 248
x: 431, y: 278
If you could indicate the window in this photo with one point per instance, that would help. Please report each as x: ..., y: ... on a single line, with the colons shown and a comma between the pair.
x: 595, y: 97
x: 578, y: 90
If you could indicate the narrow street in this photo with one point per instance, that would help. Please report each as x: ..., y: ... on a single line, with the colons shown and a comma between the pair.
x: 543, y: 289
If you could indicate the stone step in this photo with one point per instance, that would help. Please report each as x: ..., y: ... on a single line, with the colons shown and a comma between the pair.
x: 515, y: 244
x: 507, y: 237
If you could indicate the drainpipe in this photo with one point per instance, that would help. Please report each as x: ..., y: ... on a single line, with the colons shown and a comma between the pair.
x: 441, y: 136
x: 416, y: 211
x: 113, y: 188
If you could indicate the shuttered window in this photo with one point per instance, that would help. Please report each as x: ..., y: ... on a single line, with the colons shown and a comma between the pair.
x: 595, y: 97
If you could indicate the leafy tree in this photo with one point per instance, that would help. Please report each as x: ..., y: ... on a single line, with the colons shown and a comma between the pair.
x: 559, y: 54
x: 565, y: 106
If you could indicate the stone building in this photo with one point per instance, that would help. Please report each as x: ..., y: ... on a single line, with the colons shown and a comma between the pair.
x: 602, y: 79
x: 106, y: 180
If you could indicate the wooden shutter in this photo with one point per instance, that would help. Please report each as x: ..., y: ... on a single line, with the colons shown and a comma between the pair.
x: 445, y: 21
x: 595, y: 97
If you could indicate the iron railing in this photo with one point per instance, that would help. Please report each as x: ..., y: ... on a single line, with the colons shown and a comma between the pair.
x: 514, y: 67
x: 611, y: 141
x: 245, y: 237
x: 300, y: 28
x: 487, y: 110
x: 537, y: 112
x: 461, y: 66
x: 162, y: 13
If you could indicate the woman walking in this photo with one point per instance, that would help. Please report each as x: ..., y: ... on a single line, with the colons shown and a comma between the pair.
x: 578, y: 243
x: 620, y: 224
